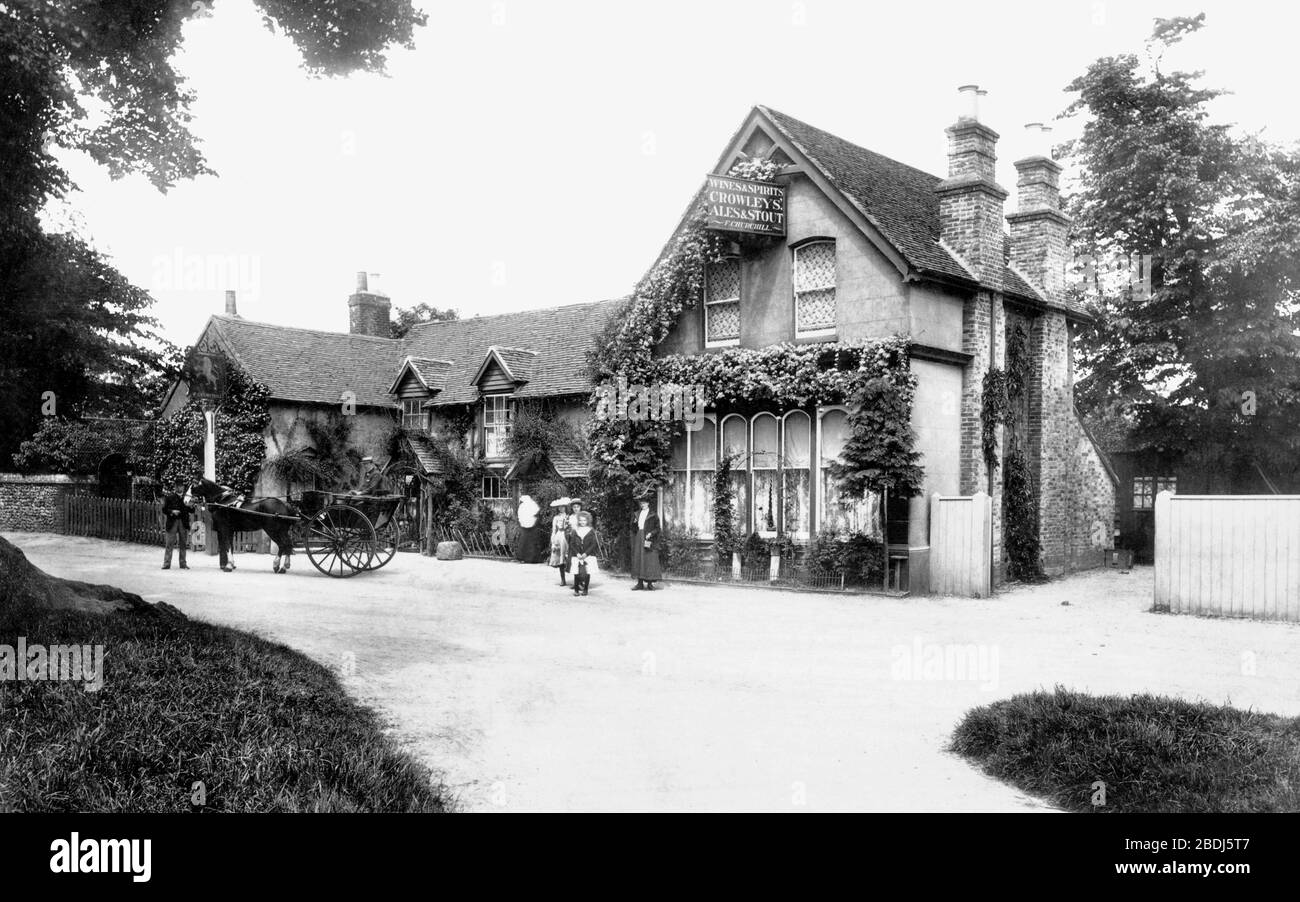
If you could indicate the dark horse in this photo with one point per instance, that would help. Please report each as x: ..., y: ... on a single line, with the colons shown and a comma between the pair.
x: 231, y: 514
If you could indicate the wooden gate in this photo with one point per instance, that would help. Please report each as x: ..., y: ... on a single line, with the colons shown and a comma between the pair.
x: 1228, y: 555
x: 961, y: 545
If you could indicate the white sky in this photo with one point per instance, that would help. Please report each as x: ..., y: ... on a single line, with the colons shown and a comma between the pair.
x: 531, y: 154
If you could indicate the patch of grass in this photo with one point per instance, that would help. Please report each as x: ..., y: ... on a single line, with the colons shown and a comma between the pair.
x: 264, y: 727
x: 1153, y: 753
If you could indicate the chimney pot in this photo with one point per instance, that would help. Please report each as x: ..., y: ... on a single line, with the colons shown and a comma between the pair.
x: 1039, y: 139
x: 231, y: 308
x: 970, y: 102
x: 361, y: 282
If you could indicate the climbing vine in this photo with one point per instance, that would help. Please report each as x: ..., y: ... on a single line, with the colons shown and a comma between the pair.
x: 1004, y: 395
x: 241, y: 423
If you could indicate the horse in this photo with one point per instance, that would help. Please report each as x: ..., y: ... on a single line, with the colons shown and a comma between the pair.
x: 237, y: 515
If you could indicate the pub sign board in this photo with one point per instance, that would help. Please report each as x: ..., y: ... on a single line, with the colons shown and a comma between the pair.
x: 744, y: 205
x: 205, y: 374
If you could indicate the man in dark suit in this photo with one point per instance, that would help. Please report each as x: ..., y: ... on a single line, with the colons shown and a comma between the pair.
x: 176, y: 528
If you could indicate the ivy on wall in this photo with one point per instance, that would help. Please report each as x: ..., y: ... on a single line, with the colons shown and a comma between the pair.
x: 241, y: 443
x: 1004, y: 395
x: 631, y: 456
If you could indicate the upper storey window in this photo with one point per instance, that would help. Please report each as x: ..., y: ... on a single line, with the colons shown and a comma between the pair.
x: 814, y: 288
x: 722, y: 302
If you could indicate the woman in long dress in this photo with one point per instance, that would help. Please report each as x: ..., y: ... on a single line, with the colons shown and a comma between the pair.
x: 529, y: 539
x: 645, y: 548
x: 560, y: 538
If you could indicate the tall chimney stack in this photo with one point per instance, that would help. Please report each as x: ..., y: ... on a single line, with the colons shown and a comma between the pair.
x: 369, y: 312
x: 231, y: 309
x: 1038, y: 227
x: 970, y: 199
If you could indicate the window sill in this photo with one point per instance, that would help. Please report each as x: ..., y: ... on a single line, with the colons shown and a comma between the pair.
x: 722, y: 343
x: 817, y: 334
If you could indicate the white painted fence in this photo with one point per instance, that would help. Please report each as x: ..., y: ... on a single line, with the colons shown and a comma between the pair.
x: 1228, y: 555
x: 961, y: 545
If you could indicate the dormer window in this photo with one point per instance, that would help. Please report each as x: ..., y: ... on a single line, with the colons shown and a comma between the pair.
x: 413, y: 414
x: 722, y: 303
x: 496, y: 425
x: 814, y: 289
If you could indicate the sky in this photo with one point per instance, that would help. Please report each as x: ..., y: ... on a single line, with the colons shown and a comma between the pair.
x: 534, y: 154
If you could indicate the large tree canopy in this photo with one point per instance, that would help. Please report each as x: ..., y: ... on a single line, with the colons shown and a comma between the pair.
x: 98, y: 78
x: 1204, y: 360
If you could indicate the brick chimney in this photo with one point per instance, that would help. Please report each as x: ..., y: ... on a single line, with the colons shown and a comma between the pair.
x: 1038, y: 227
x: 231, y: 309
x: 970, y: 199
x: 369, y: 312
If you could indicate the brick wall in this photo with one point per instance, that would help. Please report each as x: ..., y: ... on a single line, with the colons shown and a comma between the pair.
x: 35, y: 503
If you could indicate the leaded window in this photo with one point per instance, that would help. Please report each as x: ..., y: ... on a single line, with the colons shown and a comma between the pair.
x: 722, y: 301
x: 814, y: 287
x: 1145, y: 489
x: 412, y: 414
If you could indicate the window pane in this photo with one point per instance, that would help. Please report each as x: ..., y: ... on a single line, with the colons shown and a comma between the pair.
x: 797, y: 444
x: 701, y: 513
x: 703, y: 450
x: 722, y: 321
x: 795, y: 509
x: 815, y: 310
x: 679, y: 452
x: 835, y: 432
x: 735, y: 441
x: 766, y: 446
x: 675, y: 499
x: 723, y: 280
x: 814, y: 266
x: 766, y: 496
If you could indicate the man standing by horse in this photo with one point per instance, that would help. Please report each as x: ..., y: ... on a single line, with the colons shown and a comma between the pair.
x: 176, y: 526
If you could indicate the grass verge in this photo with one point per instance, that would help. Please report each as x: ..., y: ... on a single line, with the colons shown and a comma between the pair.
x: 1153, y: 753
x: 263, y: 727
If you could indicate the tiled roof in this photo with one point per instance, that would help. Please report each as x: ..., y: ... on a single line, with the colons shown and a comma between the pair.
x: 559, y: 336
x: 421, y: 446
x: 517, y: 361
x: 569, y: 464
x: 309, y: 365
x: 898, y: 199
x: 433, y: 373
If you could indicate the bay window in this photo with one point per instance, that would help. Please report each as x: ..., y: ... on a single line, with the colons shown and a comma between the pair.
x: 795, y: 474
x: 838, y: 510
x: 765, y: 465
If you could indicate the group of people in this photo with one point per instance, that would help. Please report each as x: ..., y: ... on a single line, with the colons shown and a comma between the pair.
x: 574, y: 547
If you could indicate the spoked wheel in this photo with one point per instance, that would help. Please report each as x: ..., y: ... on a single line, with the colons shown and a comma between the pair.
x: 387, y: 538
x: 340, y: 541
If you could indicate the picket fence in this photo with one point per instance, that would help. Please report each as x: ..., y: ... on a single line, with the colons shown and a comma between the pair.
x: 112, y: 518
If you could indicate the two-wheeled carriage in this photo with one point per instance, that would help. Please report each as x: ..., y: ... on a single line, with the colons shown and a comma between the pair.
x: 344, y: 534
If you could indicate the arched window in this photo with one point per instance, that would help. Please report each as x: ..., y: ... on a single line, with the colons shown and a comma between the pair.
x: 765, y: 459
x: 735, y: 445
x: 796, y: 463
x: 814, y: 288
x: 722, y: 302
x: 838, y: 510
x: 704, y: 458
x: 688, y: 497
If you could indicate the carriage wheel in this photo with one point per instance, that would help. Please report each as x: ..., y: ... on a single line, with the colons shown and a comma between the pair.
x: 340, y: 541
x: 387, y: 538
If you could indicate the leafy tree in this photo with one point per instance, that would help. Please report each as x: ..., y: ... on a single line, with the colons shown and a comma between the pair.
x: 99, y: 78
x: 1205, y: 359
x: 420, y: 313
x: 880, y: 452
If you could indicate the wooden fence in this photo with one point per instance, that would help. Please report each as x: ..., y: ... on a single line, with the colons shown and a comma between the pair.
x: 1228, y: 555
x: 961, y: 545
x: 112, y: 518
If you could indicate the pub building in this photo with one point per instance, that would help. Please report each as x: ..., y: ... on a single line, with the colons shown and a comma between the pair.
x: 841, y: 245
